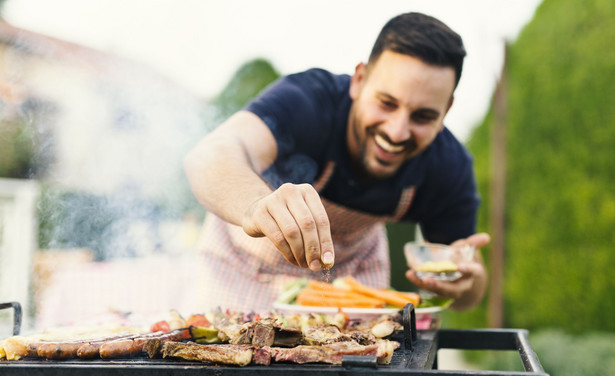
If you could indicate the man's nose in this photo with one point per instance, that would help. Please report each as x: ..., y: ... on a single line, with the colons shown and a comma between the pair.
x: 398, y: 128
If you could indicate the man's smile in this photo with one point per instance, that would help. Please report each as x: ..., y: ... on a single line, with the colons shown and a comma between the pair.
x: 387, y: 146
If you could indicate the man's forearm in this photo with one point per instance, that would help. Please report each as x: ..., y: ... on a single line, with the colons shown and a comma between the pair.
x: 222, y: 180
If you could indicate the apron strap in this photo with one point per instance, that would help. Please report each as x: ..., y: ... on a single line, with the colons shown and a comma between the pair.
x: 324, y: 177
x: 405, y: 200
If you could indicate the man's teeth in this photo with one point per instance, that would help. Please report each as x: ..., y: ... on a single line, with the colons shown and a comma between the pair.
x: 380, y: 141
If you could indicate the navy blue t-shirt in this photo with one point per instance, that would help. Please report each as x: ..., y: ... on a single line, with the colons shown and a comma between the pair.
x: 308, y: 114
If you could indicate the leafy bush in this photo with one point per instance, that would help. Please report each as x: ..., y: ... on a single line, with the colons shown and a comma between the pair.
x: 560, y: 205
x: 248, y: 81
x: 561, y: 354
x: 25, y: 145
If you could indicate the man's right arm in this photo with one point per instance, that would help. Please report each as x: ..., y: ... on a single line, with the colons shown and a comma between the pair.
x: 224, y: 173
x: 223, y: 168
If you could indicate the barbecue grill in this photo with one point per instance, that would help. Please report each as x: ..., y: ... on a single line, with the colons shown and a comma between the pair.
x: 417, y: 355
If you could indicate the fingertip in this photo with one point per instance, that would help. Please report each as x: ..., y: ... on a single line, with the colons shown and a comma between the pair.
x: 315, y: 265
x: 480, y: 240
x: 328, y: 258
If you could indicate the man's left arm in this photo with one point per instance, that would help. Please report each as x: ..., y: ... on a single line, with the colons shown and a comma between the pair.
x: 452, y: 220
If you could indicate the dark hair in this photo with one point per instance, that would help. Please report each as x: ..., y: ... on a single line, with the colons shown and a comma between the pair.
x: 423, y: 37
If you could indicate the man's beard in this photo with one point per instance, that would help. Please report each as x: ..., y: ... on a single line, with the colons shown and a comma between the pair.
x: 410, y: 146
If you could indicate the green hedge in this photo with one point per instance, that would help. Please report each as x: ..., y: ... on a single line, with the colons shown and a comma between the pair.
x: 560, y: 354
x: 560, y: 197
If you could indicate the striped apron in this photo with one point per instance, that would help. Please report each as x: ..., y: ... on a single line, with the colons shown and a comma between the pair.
x: 243, y: 273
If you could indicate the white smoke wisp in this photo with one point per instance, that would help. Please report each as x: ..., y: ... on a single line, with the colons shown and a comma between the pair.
x: 115, y: 175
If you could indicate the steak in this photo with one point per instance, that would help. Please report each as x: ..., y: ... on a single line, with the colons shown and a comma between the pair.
x: 240, y: 355
x: 334, y: 353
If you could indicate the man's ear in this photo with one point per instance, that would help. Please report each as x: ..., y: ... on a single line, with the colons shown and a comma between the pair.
x: 357, y: 80
x: 450, y: 104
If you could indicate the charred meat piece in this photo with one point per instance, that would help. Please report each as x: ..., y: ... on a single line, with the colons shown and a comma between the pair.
x: 334, y: 353
x: 362, y: 338
x: 323, y: 334
x: 380, y: 327
x: 125, y: 348
x: 262, y: 356
x: 153, y: 348
x: 263, y: 333
x: 233, y: 333
x: 287, y: 337
x: 240, y: 355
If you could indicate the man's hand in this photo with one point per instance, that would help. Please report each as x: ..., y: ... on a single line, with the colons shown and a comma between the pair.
x: 467, y: 290
x: 294, y: 219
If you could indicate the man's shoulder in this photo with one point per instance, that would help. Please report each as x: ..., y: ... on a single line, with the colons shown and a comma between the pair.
x: 447, y: 160
x: 320, y: 77
x: 447, y: 149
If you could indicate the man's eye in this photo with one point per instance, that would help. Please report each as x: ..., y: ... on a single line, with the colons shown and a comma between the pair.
x: 387, y: 104
x: 423, y: 118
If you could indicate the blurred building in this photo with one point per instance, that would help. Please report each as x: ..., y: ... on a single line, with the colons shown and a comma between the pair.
x: 105, y: 122
x: 104, y: 126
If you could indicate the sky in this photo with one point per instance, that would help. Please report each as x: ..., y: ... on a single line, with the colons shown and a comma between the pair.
x: 200, y: 44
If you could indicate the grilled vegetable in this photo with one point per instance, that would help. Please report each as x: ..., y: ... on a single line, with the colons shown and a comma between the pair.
x: 201, y: 334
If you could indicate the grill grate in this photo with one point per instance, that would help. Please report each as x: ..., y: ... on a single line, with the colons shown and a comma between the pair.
x: 417, y: 355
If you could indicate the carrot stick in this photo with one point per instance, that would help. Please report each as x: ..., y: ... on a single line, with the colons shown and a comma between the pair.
x: 386, y: 295
x: 412, y: 297
x: 341, y: 294
x: 311, y: 300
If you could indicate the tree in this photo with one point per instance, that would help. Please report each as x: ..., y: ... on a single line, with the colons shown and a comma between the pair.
x: 248, y: 81
x: 560, y: 200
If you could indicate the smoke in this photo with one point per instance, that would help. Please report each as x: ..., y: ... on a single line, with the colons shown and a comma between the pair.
x: 107, y: 146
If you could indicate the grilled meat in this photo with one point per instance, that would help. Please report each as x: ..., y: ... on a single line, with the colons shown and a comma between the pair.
x: 323, y: 334
x: 333, y: 353
x: 124, y: 348
x: 240, y: 355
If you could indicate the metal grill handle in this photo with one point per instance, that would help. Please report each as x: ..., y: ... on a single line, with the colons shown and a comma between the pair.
x: 16, y: 315
x: 492, y: 339
x: 409, y: 323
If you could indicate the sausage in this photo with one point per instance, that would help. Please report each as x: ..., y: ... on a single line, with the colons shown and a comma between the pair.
x: 62, y: 350
x: 136, y: 346
x: 89, y: 350
x: 120, y: 348
x: 58, y: 350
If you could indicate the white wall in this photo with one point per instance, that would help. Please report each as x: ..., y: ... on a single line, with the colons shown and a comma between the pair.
x: 17, y: 244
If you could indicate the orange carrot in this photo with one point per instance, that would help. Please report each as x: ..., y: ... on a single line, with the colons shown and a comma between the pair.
x: 388, y: 296
x: 341, y: 294
x: 412, y: 297
x: 319, y: 301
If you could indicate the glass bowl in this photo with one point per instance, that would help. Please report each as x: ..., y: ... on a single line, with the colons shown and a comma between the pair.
x: 437, y: 260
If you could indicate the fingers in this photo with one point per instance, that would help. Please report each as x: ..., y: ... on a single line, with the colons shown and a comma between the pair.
x: 323, y: 254
x: 477, y: 240
x: 259, y: 221
x: 295, y: 220
x: 449, y: 289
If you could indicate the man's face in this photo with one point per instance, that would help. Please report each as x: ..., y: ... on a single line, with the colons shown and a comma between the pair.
x: 398, y: 109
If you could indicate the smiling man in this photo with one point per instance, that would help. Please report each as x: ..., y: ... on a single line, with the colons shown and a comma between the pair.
x: 306, y: 176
